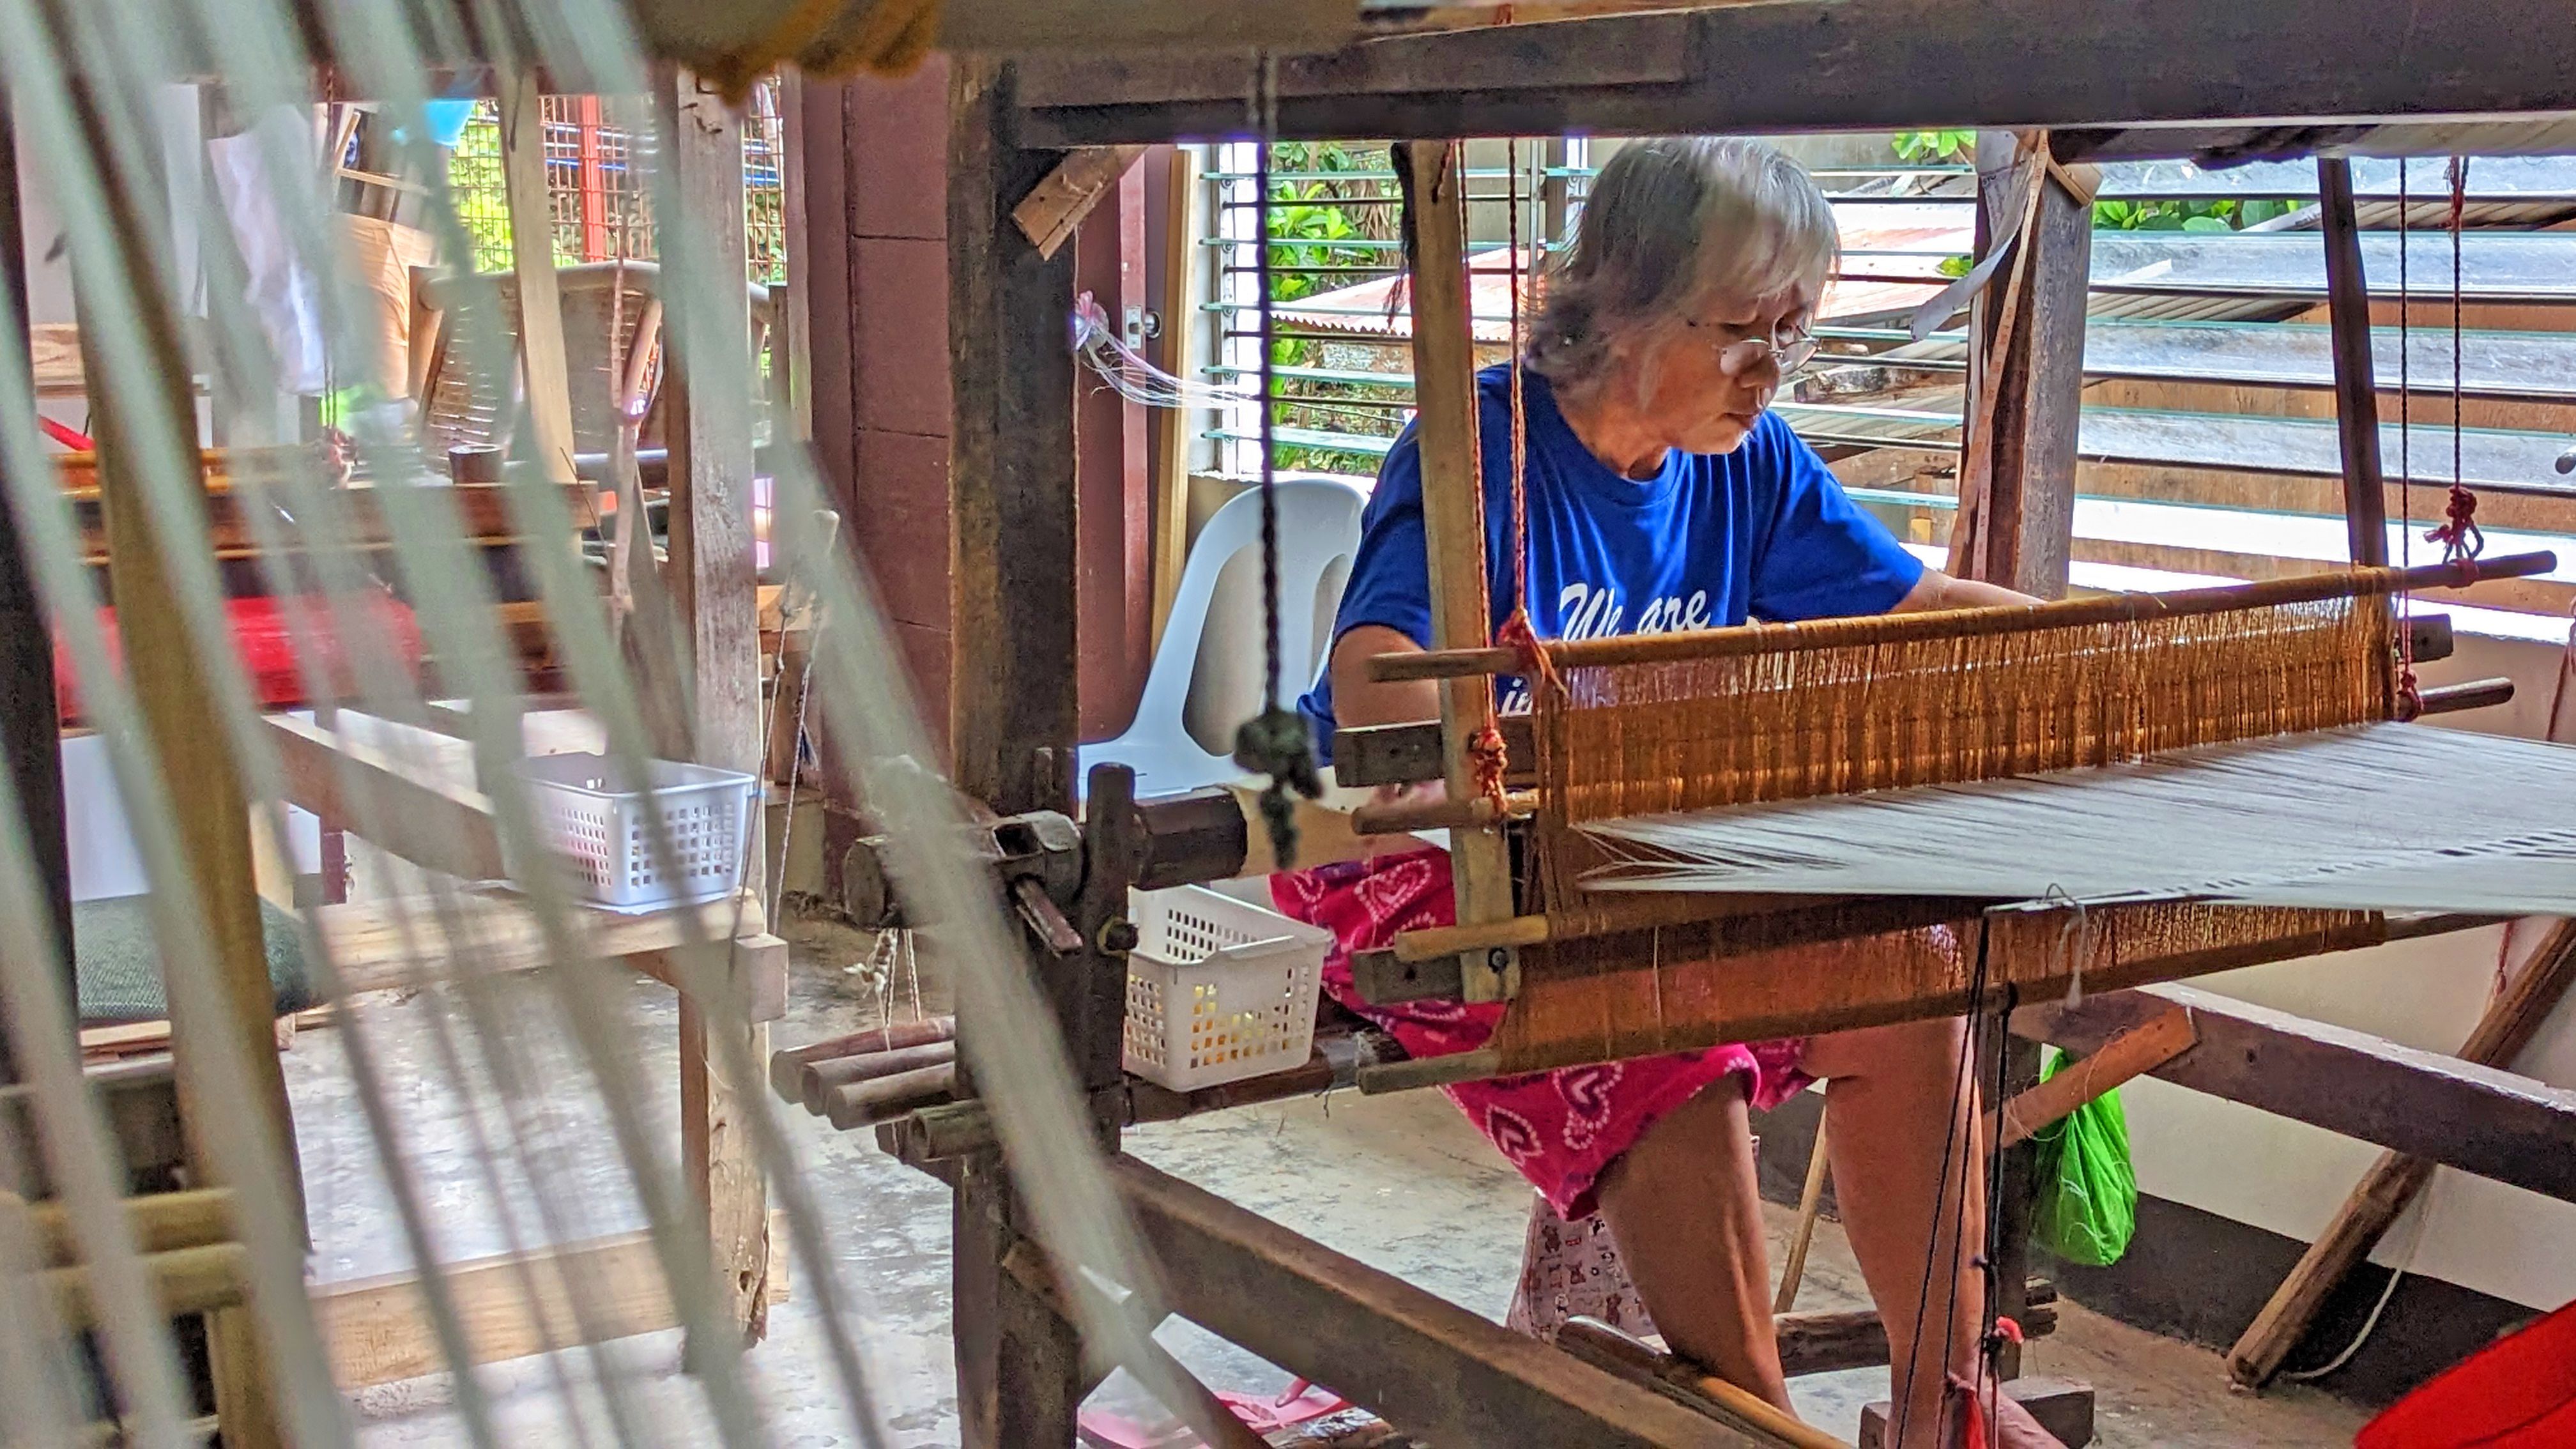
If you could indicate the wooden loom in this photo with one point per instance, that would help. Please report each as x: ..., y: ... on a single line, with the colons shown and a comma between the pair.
x: 1014, y: 127
x: 1650, y: 724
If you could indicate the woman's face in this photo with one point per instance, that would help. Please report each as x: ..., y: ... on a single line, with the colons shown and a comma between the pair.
x: 1709, y: 379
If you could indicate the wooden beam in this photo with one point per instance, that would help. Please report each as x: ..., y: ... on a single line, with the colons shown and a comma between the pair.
x: 1416, y: 1360
x: 377, y: 1330
x: 1011, y: 463
x: 408, y: 813
x: 543, y: 369
x: 2365, y: 498
x: 177, y: 700
x: 2508, y: 1025
x: 1686, y: 1383
x: 1013, y: 716
x: 1052, y: 211
x: 2139, y: 1049
x: 2458, y: 1113
x: 1863, y: 65
x: 1180, y: 243
x: 397, y: 944
x: 1453, y: 515
x: 2027, y: 377
x: 715, y: 596
x: 1825, y: 1343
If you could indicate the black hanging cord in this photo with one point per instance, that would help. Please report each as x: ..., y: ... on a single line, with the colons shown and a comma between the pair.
x: 1274, y: 742
x: 1960, y: 1077
x: 1998, y: 1030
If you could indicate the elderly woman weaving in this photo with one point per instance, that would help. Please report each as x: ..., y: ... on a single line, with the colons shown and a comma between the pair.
x: 1661, y: 495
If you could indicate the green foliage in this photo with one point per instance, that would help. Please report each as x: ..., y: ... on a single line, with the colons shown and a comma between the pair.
x: 1311, y: 252
x: 1922, y: 148
x: 2172, y: 215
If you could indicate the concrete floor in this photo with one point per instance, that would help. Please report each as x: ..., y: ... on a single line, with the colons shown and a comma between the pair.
x: 1401, y: 1183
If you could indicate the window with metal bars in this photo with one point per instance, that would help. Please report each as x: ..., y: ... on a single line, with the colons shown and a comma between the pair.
x: 602, y: 206
x: 2207, y: 437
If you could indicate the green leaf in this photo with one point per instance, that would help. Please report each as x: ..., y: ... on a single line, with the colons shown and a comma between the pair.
x: 2205, y: 223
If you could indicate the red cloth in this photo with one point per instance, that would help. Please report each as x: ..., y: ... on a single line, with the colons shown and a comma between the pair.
x: 266, y: 646
x: 2519, y: 1393
x: 1561, y: 1129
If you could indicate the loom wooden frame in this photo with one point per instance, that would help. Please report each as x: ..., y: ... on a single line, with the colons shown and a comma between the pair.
x: 1806, y: 64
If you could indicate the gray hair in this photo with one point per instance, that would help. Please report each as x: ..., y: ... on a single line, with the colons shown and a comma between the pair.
x: 1673, y: 222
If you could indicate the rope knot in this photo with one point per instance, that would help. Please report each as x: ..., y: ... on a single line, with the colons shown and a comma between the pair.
x: 1276, y: 743
x: 1492, y: 759
x: 1517, y: 635
x: 2459, y: 535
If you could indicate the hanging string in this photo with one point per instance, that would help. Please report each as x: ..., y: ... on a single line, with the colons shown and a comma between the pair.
x: 2459, y: 535
x: 1274, y: 742
x: 1492, y: 759
x: 2410, y: 695
x: 1962, y: 1077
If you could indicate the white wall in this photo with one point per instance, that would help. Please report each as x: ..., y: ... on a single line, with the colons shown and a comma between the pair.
x: 2287, y: 1177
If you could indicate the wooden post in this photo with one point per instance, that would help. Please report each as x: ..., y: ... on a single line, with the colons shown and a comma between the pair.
x: 1013, y: 684
x: 2508, y: 1025
x: 1180, y: 328
x: 2365, y: 495
x: 1444, y: 380
x: 176, y: 698
x: 715, y: 597
x: 542, y: 368
x: 2017, y: 477
x: 30, y: 722
x: 2025, y: 466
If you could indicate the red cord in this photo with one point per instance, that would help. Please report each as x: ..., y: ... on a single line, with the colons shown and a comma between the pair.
x: 2459, y: 535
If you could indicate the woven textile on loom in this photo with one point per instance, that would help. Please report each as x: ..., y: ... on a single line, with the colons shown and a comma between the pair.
x: 1845, y: 708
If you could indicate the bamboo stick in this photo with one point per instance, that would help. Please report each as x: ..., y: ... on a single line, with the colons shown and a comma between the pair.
x: 1816, y: 634
x: 160, y: 1222
x: 184, y: 1280
x: 864, y: 1104
x: 1402, y: 817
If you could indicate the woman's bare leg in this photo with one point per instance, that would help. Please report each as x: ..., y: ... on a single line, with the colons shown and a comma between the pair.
x: 1686, y: 1211
x: 1898, y: 1098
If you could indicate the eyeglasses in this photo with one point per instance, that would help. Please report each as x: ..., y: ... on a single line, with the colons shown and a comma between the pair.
x: 1791, y: 348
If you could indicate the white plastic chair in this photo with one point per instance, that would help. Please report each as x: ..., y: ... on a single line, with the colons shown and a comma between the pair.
x: 1206, y: 677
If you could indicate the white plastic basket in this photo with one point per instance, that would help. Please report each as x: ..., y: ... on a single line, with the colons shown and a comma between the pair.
x: 1218, y: 989
x: 591, y: 816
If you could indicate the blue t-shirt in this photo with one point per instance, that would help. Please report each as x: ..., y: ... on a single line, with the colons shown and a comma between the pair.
x: 1764, y: 532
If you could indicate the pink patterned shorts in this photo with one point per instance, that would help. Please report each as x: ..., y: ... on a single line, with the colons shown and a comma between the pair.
x: 1563, y: 1128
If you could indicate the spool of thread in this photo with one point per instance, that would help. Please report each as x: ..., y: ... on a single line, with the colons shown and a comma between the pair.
x: 820, y: 1078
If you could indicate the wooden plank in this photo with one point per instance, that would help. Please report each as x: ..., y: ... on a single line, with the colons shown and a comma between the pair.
x: 393, y: 945
x: 715, y: 596
x: 1444, y: 370
x: 1685, y: 1383
x: 1052, y: 211
x: 411, y: 814
x: 377, y: 1330
x: 1807, y: 65
x: 2356, y: 393
x: 1181, y: 221
x: 2459, y: 1113
x: 2395, y: 1180
x: 2139, y: 1049
x: 1825, y: 1343
x: 1441, y: 1372
x: 542, y: 366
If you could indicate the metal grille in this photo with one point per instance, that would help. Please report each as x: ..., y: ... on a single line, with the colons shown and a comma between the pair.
x: 601, y: 204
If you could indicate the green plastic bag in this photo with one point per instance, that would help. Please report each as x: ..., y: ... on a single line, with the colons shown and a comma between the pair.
x: 2088, y: 1189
